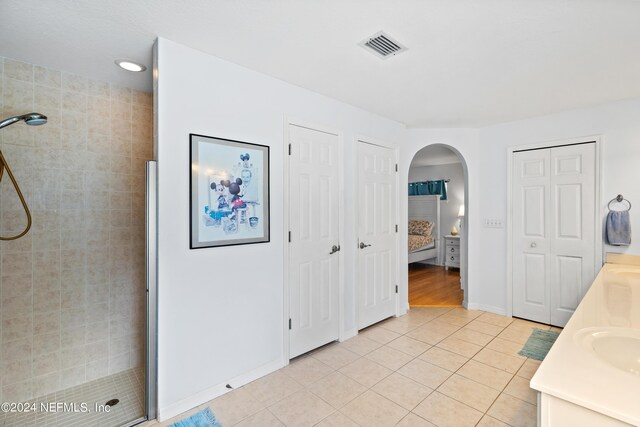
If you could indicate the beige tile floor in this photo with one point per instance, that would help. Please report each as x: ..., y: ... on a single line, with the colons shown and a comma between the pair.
x: 432, y: 367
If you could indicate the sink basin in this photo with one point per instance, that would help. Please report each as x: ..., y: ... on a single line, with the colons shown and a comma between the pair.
x: 618, y: 347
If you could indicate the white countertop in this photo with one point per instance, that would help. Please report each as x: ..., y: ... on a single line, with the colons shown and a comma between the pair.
x: 573, y: 373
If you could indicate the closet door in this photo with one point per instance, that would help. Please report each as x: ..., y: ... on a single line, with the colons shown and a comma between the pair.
x: 531, y: 212
x: 553, y: 202
x: 572, y: 228
x: 314, y: 220
x: 376, y: 234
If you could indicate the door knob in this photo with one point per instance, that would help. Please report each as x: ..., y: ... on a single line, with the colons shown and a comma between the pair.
x: 533, y: 244
x: 363, y: 245
x: 334, y: 249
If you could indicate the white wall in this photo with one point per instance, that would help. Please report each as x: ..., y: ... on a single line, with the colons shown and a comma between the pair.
x: 618, y: 124
x: 455, y: 191
x: 220, y: 315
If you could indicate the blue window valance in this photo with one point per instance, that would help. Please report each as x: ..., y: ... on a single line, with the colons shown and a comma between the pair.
x: 426, y: 188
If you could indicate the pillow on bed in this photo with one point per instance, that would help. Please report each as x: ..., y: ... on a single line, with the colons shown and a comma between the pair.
x: 420, y: 227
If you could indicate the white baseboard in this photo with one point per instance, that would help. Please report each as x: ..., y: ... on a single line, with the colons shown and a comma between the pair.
x: 490, y: 308
x: 204, y: 396
x: 349, y: 334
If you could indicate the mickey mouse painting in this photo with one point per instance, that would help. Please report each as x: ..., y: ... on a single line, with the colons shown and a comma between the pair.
x: 228, y: 191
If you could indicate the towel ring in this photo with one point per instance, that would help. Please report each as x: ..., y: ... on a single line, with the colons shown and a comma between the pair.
x: 619, y: 199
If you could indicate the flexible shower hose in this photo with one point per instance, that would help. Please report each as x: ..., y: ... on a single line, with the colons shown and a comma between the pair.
x: 4, y: 165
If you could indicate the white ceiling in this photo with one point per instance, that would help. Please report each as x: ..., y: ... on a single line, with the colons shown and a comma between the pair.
x: 434, y: 155
x: 469, y: 63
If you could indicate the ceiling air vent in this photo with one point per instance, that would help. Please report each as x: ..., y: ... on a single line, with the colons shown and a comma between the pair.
x: 382, y: 45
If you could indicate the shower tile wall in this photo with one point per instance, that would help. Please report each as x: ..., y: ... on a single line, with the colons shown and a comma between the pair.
x: 72, y: 297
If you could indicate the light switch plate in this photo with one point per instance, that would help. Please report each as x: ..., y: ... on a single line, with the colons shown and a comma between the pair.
x: 493, y: 223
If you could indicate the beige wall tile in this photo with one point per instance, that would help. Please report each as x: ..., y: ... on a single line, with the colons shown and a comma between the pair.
x: 18, y: 70
x: 46, y: 364
x: 15, y: 371
x: 97, y: 88
x: 74, y: 82
x: 47, y: 77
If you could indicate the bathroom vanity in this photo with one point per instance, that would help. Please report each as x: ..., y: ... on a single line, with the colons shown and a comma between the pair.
x: 591, y: 376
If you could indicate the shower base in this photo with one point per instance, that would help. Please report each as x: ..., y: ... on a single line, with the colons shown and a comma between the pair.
x: 126, y: 386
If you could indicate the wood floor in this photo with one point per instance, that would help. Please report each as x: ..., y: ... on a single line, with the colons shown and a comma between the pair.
x: 432, y: 285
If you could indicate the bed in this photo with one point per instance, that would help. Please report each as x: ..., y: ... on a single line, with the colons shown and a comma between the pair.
x: 423, y: 245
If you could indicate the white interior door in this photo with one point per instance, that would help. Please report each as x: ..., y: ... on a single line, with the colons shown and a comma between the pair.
x: 572, y: 228
x: 531, y: 273
x: 314, y: 217
x: 553, y: 231
x: 376, y: 233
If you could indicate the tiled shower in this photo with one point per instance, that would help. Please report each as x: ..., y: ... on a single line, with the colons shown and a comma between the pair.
x: 72, y: 291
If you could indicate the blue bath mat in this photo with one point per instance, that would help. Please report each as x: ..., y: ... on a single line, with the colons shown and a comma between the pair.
x: 539, y: 344
x: 201, y: 419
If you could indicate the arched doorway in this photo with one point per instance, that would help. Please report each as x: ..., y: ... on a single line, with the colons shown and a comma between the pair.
x: 438, y: 193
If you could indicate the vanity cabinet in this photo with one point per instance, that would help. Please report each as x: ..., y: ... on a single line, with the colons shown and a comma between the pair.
x: 581, y: 384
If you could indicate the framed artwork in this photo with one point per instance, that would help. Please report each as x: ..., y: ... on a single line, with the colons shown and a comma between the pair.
x: 229, y: 192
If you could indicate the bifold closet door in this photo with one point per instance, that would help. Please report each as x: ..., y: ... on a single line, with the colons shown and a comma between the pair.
x: 572, y: 228
x: 553, y: 231
x: 531, y: 213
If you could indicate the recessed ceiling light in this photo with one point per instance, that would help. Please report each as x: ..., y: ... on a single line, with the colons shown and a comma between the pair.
x: 130, y: 65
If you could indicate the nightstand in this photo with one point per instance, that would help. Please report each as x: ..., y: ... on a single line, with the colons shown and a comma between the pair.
x: 451, y: 252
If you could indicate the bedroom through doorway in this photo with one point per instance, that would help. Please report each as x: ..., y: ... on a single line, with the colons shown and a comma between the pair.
x: 436, y: 230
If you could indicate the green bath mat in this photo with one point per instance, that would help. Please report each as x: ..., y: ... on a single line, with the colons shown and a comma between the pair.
x: 539, y: 344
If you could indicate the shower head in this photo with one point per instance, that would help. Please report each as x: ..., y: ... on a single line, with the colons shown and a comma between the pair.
x: 35, y: 119
x: 32, y: 119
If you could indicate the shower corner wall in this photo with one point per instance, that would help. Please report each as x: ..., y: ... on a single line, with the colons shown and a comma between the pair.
x: 72, y: 291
